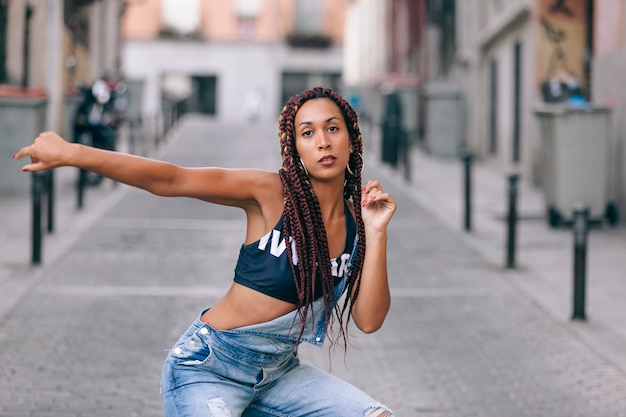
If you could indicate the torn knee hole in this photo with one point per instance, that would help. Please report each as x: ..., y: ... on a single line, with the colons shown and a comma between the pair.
x: 218, y: 407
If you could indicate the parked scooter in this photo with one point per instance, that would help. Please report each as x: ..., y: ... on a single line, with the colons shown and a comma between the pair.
x: 99, y: 116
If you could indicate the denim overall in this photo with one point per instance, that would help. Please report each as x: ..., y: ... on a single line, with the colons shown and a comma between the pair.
x: 254, y: 371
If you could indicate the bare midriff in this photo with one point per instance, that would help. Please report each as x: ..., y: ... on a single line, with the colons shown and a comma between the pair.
x: 242, y: 306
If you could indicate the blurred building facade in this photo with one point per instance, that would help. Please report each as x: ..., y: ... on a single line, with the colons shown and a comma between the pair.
x: 473, y: 71
x: 234, y: 59
x: 47, y: 49
x: 489, y: 64
x: 52, y: 46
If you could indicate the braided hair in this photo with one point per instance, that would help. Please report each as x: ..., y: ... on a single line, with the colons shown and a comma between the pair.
x: 303, y: 219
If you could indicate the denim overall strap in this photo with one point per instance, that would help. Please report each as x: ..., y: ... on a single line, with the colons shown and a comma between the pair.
x: 355, y: 246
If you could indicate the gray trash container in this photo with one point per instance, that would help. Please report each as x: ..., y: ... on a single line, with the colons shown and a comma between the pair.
x: 575, y: 143
x: 22, y: 118
x: 444, y: 119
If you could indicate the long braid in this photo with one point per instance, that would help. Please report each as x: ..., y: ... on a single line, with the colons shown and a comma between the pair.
x: 303, y: 225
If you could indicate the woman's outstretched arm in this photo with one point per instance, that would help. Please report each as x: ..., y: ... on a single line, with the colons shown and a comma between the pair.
x: 218, y: 185
x: 49, y: 150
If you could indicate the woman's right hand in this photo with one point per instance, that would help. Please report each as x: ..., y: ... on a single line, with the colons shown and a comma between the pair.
x: 49, y: 150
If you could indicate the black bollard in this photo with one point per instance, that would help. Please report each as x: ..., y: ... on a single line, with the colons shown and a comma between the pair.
x: 467, y: 159
x: 392, y: 129
x: 511, y: 221
x: 581, y: 218
x: 37, y: 191
x: 50, y: 199
x: 80, y: 186
x: 407, y: 156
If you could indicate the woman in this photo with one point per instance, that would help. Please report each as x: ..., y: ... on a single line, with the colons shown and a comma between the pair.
x: 313, y: 234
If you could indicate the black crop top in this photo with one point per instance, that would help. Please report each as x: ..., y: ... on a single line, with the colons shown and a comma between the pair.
x: 264, y: 266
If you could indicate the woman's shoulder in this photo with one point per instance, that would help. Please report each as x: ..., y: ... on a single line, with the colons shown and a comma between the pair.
x: 268, y: 191
x: 258, y: 182
x: 267, y: 182
x: 267, y: 206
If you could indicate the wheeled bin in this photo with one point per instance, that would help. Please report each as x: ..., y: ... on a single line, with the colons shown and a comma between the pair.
x: 575, y: 144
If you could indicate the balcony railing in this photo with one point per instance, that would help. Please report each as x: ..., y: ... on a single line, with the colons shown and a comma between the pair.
x: 307, y: 40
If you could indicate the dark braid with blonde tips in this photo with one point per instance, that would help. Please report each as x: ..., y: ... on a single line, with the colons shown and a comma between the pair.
x: 303, y: 219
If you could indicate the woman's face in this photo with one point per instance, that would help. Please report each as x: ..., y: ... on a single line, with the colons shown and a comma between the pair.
x: 322, y: 139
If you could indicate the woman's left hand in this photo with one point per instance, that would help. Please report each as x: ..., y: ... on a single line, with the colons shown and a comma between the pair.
x: 377, y: 206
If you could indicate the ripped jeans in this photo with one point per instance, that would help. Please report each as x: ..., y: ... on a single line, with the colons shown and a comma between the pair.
x: 253, y: 371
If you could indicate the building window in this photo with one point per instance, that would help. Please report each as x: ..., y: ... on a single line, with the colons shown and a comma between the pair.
x: 247, y: 12
x: 180, y: 17
x: 308, y: 17
x: 204, y: 94
x: 296, y: 82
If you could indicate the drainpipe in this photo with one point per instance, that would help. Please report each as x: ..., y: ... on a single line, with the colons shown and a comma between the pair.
x: 28, y: 16
x: 54, y: 80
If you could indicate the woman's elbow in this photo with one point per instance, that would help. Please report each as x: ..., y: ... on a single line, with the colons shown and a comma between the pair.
x: 370, y: 324
x: 370, y: 328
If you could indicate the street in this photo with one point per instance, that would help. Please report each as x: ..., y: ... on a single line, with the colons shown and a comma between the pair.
x: 90, y: 335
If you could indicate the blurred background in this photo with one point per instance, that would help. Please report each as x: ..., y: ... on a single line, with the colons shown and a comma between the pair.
x: 507, y: 81
x: 445, y: 90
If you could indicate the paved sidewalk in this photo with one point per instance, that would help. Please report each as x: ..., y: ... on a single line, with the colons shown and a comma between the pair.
x: 544, y: 256
x: 17, y: 273
x: 85, y: 333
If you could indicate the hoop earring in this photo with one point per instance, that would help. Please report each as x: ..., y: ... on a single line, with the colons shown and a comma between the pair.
x: 362, y: 164
x: 304, y: 167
